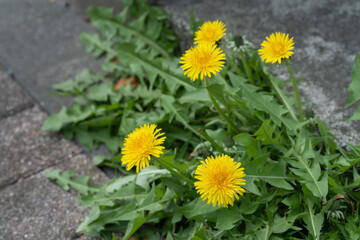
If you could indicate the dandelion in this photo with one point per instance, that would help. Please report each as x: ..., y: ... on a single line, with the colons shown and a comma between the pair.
x: 220, y: 180
x: 140, y: 145
x: 210, y: 32
x: 276, y: 47
x: 205, y: 59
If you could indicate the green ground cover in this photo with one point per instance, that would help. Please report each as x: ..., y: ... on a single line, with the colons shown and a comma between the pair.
x: 300, y: 184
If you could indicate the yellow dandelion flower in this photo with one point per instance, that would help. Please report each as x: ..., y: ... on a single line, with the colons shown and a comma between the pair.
x: 140, y: 145
x: 205, y: 59
x: 210, y: 32
x: 220, y: 180
x: 276, y: 47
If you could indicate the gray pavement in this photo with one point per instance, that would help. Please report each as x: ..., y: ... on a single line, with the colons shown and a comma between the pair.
x: 12, y: 97
x: 39, y: 44
x: 31, y: 206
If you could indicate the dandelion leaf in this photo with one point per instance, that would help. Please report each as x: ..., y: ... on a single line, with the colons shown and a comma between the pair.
x: 267, y: 104
x: 65, y: 180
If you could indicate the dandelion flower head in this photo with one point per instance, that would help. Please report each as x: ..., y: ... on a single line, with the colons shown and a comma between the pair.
x: 140, y: 145
x: 220, y: 180
x: 204, y: 59
x: 276, y: 47
x: 210, y: 32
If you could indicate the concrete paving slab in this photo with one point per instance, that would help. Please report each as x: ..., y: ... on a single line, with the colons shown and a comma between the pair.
x: 12, y: 97
x: 26, y: 150
x: 36, y: 208
x: 14, y: 12
x: 326, y: 40
x: 80, y: 6
x: 46, y: 50
x: 31, y: 206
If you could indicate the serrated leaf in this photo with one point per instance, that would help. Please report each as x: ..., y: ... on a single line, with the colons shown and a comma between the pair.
x: 79, y: 83
x: 227, y: 218
x: 264, y: 233
x: 169, y: 104
x: 84, y: 226
x: 75, y: 114
x: 133, y: 226
x: 127, y: 51
x: 281, y: 224
x: 307, y: 166
x: 87, y: 138
x: 96, y: 45
x: 265, y: 133
x: 275, y: 175
x: 251, y: 186
x: 65, y: 180
x: 197, y: 207
x: 199, y: 95
x: 267, y: 104
x: 100, y: 92
x: 252, y: 173
x: 146, y: 176
x: 102, y: 198
x: 134, y: 28
x: 246, y: 140
x: 313, y: 221
x: 247, y: 205
x: 54, y: 122
x: 128, y: 212
x: 199, y: 233
x: 93, y: 226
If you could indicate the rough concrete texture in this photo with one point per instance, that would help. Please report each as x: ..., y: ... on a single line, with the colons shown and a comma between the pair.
x: 80, y: 6
x: 326, y: 36
x: 43, y: 47
x: 25, y: 149
x: 12, y: 97
x: 31, y: 206
x: 14, y: 12
x: 36, y: 208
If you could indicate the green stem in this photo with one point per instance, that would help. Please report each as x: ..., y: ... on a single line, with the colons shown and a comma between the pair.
x: 296, y: 92
x: 171, y: 168
x: 215, y: 145
x: 247, y: 69
x: 284, y: 99
x: 223, y: 115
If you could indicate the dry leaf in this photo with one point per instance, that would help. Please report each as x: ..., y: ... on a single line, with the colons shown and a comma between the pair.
x: 115, y: 60
x: 336, y: 197
x: 124, y: 81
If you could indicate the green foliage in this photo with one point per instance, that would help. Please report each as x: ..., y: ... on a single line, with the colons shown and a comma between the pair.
x: 65, y: 180
x: 354, y: 88
x: 300, y: 184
